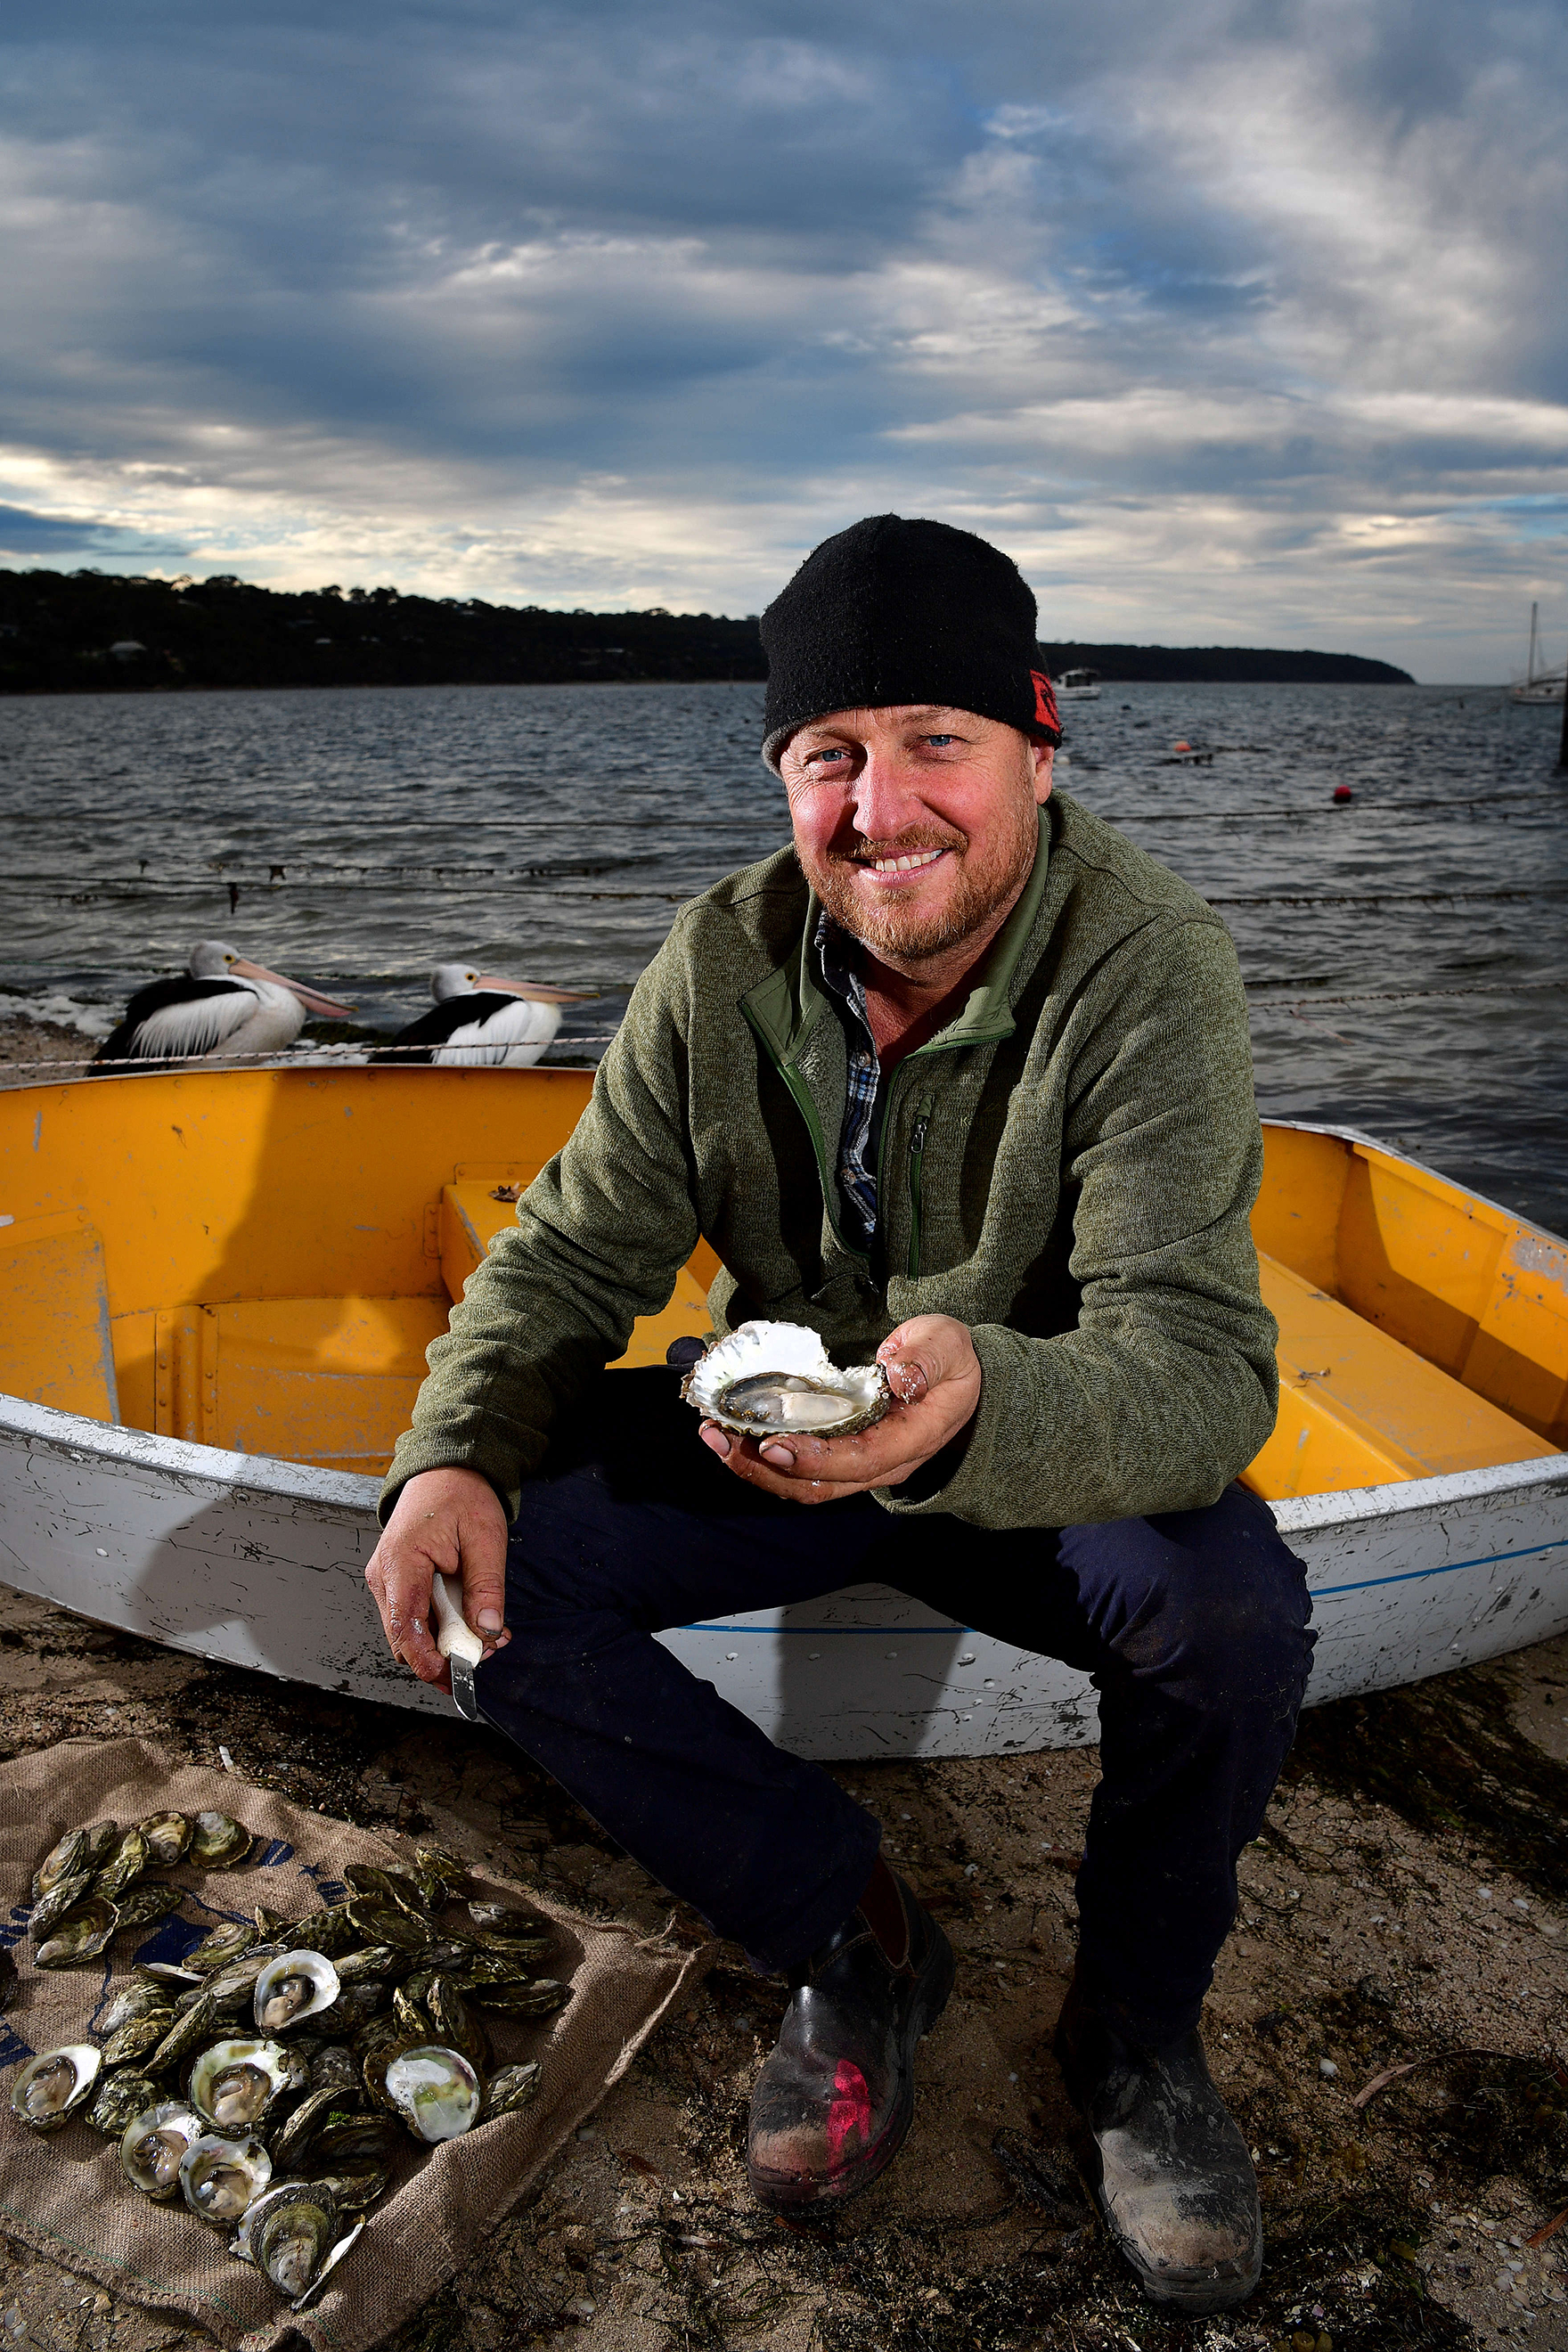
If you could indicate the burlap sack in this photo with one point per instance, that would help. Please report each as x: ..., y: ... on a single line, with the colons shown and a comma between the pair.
x: 65, y: 2195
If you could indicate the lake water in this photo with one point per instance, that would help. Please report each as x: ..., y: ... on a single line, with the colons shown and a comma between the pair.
x: 1406, y: 956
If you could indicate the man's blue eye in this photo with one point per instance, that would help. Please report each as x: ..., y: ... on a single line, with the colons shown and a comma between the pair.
x: 941, y: 739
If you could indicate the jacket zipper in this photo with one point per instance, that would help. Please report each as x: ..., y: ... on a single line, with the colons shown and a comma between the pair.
x: 917, y: 1155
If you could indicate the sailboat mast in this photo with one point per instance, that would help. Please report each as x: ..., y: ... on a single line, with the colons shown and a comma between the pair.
x: 1530, y: 673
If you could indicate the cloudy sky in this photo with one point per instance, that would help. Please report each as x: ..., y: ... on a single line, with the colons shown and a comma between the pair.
x: 1241, y: 323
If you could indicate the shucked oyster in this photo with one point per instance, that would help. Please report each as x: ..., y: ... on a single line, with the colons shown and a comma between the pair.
x: 293, y: 1987
x: 54, y: 2084
x: 220, y: 2176
x: 234, y: 2082
x: 154, y: 2145
x: 776, y: 1379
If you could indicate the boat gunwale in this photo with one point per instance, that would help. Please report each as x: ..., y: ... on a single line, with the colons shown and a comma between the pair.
x: 355, y: 1494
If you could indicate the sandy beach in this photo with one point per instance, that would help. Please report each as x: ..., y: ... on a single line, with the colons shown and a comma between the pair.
x: 1404, y: 1905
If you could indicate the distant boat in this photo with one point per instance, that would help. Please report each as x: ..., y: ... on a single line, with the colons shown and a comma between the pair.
x: 1079, y: 686
x: 1536, y: 684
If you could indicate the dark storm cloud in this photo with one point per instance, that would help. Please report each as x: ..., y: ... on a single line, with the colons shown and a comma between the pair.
x: 1208, y: 314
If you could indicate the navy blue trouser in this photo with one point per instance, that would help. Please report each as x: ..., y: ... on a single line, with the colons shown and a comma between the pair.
x: 1193, y: 1625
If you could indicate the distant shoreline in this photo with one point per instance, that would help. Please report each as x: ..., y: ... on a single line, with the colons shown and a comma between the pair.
x: 93, y: 632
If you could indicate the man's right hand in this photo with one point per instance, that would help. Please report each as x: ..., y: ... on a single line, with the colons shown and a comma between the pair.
x: 450, y: 1521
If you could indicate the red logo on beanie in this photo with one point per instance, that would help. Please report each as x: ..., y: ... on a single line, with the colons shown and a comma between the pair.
x: 1044, y: 701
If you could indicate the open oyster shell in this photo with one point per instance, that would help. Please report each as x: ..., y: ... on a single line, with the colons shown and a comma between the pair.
x: 234, y: 2082
x: 54, y: 2084
x: 219, y: 2176
x: 776, y: 1379
x: 154, y: 2145
x: 293, y: 1987
x: 435, y: 2090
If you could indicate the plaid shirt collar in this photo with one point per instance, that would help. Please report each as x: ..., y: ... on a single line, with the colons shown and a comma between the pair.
x: 857, y: 1139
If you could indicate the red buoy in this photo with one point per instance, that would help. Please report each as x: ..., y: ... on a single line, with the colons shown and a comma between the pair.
x: 1343, y: 792
x: 1181, y: 747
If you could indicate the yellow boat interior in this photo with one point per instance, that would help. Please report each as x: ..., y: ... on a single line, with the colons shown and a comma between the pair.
x: 258, y: 1259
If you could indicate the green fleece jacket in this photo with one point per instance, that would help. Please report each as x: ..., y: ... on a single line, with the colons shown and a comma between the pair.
x: 1068, y: 1167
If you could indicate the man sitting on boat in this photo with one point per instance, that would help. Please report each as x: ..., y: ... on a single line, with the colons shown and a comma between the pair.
x: 962, y: 1083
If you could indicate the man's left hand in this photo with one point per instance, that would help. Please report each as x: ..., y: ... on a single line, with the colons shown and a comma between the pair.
x: 934, y: 1374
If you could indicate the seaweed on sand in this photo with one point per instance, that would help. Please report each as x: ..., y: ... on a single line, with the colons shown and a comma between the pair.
x: 1446, y: 1756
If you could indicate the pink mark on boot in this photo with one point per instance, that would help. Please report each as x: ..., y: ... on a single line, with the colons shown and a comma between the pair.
x: 850, y: 2112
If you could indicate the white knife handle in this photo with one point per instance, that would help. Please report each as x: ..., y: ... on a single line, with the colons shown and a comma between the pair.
x: 455, y: 1638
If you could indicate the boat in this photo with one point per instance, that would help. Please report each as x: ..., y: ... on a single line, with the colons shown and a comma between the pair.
x: 1538, y: 686
x: 1078, y: 686
x: 218, y: 1285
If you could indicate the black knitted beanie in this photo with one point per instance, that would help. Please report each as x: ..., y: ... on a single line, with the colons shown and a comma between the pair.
x: 892, y: 611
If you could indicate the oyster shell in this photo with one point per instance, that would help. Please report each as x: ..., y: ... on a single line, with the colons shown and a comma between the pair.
x: 510, y: 2089
x: 187, y: 2034
x: 456, y: 2026
x: 435, y: 2090
x: 140, y: 1905
x: 510, y: 1922
x: 349, y: 2238
x: 234, y: 2083
x: 53, y: 2085
x: 218, y: 1840
x: 138, y: 2037
x: 349, y: 2144
x: 287, y: 2234
x: 167, y: 1836
x: 233, y: 1988
x: 355, y: 2006
x: 64, y: 1860
x: 777, y: 1379
x: 374, y: 1960
x: 330, y: 1930
x: 81, y: 1935
x: 532, y: 1997
x: 120, y: 2095
x: 221, y: 1948
x: 392, y: 1887
x: 219, y: 2177
x: 442, y: 1873
x: 358, y: 2186
x: 376, y: 1922
x: 128, y: 1860
x: 61, y: 1897
x: 293, y: 1987
x: 333, y: 2068
x: 138, y: 1998
x: 154, y: 2145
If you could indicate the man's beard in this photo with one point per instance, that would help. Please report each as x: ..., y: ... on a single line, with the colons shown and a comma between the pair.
x: 906, y: 932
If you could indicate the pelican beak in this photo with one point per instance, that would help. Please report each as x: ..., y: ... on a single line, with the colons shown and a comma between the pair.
x: 325, y: 1008
x: 527, y: 988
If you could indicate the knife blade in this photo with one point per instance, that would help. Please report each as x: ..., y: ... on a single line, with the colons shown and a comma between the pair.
x: 459, y: 1643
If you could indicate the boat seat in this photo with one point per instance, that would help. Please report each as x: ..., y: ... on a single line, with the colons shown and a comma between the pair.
x: 471, y: 1218
x: 55, y: 1342
x: 1360, y: 1409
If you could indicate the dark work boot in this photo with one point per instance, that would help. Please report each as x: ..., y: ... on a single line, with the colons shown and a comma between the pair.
x: 1170, y: 2171
x: 834, y: 2101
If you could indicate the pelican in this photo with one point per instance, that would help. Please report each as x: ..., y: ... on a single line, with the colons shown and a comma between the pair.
x: 480, y: 1017
x: 221, y: 1005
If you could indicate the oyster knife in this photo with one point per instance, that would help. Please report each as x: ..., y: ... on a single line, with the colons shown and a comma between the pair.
x: 457, y: 1642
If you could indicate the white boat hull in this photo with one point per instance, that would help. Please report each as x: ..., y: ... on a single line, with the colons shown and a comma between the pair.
x: 260, y: 1564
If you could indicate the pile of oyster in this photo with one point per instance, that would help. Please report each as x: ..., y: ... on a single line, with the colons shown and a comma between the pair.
x: 267, y: 2077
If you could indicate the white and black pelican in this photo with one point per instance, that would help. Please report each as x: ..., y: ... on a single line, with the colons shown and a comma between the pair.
x: 479, y: 1017
x: 221, y: 1004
